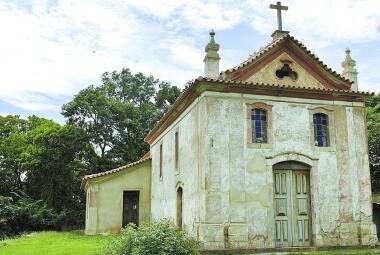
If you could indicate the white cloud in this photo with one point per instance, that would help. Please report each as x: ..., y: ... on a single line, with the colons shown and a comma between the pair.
x: 51, y: 49
x: 338, y: 20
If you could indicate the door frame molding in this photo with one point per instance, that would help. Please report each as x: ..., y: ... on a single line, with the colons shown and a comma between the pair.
x: 122, y: 203
x: 312, y: 162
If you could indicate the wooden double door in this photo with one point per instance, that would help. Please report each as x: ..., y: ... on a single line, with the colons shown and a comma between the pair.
x: 292, y: 208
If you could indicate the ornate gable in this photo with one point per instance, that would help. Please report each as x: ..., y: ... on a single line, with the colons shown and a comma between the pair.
x: 285, y: 61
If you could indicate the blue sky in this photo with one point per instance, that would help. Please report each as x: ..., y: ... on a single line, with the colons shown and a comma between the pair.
x: 52, y: 49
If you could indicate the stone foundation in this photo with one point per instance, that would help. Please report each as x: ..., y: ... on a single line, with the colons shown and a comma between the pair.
x: 237, y: 237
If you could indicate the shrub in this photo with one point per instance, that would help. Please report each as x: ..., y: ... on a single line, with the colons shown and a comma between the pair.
x: 21, y: 213
x: 159, y: 238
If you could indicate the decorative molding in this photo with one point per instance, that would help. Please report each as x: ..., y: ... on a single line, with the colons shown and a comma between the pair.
x: 331, y: 124
x: 291, y: 155
x: 268, y: 109
x: 195, y: 89
x: 179, y: 184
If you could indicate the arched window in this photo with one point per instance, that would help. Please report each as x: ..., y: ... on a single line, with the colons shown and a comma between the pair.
x: 321, y: 129
x: 259, y: 126
x: 179, y: 207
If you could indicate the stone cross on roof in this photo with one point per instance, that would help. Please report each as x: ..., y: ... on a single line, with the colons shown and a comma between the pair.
x: 279, y: 8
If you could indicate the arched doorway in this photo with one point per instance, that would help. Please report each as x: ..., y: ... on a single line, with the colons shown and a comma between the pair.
x: 291, y: 181
x: 179, y: 207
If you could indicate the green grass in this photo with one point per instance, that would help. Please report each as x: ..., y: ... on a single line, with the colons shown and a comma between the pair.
x: 76, y: 243
x: 53, y: 243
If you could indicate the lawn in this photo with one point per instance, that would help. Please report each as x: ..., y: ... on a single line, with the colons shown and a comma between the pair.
x: 76, y: 243
x: 53, y: 243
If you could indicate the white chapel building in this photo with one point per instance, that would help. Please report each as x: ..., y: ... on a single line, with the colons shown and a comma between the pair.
x: 270, y: 153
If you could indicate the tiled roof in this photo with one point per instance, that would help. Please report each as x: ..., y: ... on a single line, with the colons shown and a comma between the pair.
x: 253, y: 84
x: 92, y: 176
x: 276, y: 42
x: 146, y: 155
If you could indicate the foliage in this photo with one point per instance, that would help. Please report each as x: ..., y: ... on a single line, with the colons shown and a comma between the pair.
x: 46, y: 161
x: 53, y: 243
x: 158, y: 238
x: 118, y: 114
x: 43, y: 161
x: 57, y: 165
x: 13, y: 146
x: 26, y: 214
x: 373, y: 117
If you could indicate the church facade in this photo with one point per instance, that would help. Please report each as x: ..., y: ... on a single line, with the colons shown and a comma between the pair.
x: 270, y: 153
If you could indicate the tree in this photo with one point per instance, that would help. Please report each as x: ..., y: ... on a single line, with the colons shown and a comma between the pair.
x: 44, y: 161
x: 13, y: 144
x: 56, y: 165
x: 373, y: 118
x: 118, y: 114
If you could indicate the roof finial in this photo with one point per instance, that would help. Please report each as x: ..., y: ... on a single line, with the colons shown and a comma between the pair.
x: 212, y: 44
x: 349, y: 70
x: 211, y: 59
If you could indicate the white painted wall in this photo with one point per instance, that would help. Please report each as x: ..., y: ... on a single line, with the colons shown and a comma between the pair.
x: 228, y: 186
x: 188, y: 174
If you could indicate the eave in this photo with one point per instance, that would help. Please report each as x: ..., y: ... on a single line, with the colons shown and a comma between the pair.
x: 200, y: 85
x: 87, y: 178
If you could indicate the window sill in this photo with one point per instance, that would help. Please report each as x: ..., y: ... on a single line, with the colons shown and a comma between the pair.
x: 259, y: 145
x: 318, y: 148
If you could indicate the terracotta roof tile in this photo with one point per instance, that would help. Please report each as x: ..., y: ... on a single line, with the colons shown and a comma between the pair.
x: 276, y: 42
x: 253, y: 84
x: 146, y: 155
x: 93, y: 176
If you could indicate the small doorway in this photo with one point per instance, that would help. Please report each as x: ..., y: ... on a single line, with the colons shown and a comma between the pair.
x: 376, y: 217
x: 131, y: 207
x: 179, y: 207
x: 292, y: 204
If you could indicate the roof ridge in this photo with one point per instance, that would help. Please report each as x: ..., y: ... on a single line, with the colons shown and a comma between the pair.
x: 258, y: 53
x: 274, y: 43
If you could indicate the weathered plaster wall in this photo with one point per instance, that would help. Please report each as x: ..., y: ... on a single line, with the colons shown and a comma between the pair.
x: 228, y: 183
x: 305, y: 79
x: 239, y: 180
x: 104, y: 207
x: 190, y: 127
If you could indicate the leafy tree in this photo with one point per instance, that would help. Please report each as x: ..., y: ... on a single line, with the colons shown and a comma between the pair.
x: 373, y: 117
x: 118, y: 114
x: 13, y: 144
x: 45, y: 161
x: 56, y: 165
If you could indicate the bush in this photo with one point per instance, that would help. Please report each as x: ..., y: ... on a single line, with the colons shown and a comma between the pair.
x: 159, y: 238
x: 23, y: 214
